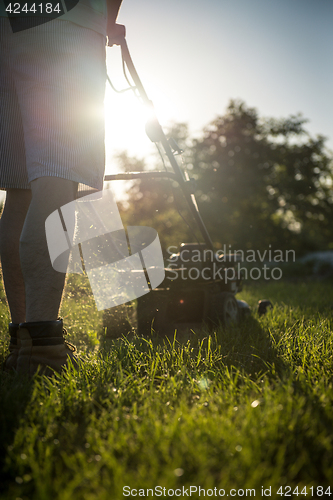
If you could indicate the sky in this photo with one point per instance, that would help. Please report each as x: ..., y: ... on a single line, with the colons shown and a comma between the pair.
x: 194, y: 56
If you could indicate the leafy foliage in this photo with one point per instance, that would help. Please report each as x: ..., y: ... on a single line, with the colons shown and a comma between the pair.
x: 260, y: 182
x: 266, y: 180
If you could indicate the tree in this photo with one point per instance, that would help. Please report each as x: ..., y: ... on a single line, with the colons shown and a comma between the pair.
x: 260, y: 182
x: 263, y: 181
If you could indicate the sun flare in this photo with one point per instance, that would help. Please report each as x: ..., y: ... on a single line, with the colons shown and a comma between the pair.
x: 126, y: 117
x: 125, y: 120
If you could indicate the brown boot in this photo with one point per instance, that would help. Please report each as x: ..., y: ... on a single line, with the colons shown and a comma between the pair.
x: 44, y: 349
x: 14, y: 347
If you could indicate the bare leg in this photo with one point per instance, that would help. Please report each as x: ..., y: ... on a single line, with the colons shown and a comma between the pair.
x: 11, y: 223
x: 43, y: 285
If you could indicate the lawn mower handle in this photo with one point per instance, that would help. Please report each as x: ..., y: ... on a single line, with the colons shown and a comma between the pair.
x: 156, y: 134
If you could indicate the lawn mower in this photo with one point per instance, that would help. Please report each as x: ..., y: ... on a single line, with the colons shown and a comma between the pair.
x: 181, y: 302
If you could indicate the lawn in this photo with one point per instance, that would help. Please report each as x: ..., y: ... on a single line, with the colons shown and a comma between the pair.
x: 240, y: 412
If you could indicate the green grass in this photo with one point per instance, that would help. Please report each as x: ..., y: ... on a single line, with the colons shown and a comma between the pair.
x: 250, y: 407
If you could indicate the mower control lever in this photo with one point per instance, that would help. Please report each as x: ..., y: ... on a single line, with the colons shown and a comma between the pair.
x: 174, y: 146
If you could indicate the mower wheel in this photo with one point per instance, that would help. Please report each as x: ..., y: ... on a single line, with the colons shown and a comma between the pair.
x: 229, y: 309
x: 224, y: 308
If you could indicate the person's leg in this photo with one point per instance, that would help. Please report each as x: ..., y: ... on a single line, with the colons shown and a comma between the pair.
x: 11, y: 223
x: 43, y: 285
x: 14, y: 213
x: 41, y: 338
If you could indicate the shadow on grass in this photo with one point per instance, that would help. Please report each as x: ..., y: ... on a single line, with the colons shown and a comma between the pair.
x: 15, y: 395
x: 248, y: 347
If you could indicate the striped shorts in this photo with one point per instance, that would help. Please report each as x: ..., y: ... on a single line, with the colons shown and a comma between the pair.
x: 52, y: 86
